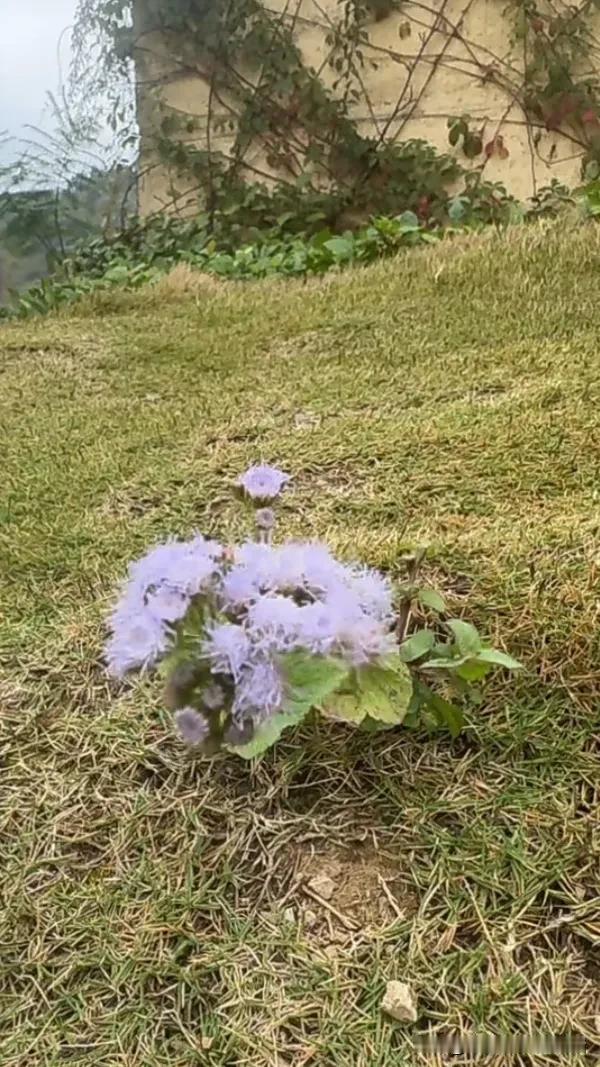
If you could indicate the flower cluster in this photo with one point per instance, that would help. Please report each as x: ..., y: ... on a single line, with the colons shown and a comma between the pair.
x: 260, y: 602
x: 158, y: 593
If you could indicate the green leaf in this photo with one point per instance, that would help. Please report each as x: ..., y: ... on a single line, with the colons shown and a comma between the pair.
x: 430, y: 598
x: 471, y: 670
x: 381, y: 692
x: 466, y: 636
x: 445, y: 663
x: 434, y: 711
x: 340, y: 247
x: 417, y: 645
x: 386, y: 691
x: 374, y: 726
x: 408, y: 220
x: 310, y: 679
x: 458, y: 209
x: 268, y: 733
x: 447, y: 714
x: 502, y: 659
x: 346, y: 707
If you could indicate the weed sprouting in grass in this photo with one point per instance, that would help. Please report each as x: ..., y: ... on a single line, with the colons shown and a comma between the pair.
x: 281, y: 630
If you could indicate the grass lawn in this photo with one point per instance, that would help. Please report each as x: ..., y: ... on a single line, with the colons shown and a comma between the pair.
x: 156, y: 909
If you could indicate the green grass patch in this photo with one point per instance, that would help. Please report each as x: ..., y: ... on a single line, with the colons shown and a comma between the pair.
x: 156, y: 909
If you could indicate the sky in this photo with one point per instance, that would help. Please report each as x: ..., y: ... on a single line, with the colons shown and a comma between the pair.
x: 30, y: 31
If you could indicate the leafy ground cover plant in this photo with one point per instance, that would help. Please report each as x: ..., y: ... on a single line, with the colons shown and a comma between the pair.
x: 251, y: 638
x: 148, y: 249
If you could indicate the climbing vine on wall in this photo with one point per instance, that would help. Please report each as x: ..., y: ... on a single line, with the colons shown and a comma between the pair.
x: 281, y: 118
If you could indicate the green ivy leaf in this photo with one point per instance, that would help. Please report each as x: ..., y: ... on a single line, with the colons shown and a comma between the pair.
x: 310, y: 679
x: 502, y: 659
x: 268, y: 733
x: 417, y: 645
x: 430, y: 598
x: 466, y: 636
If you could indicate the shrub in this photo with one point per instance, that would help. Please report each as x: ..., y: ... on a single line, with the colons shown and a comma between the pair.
x: 249, y: 639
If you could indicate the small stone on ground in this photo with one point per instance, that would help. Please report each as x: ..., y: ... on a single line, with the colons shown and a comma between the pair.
x: 399, y: 1003
x: 323, y: 886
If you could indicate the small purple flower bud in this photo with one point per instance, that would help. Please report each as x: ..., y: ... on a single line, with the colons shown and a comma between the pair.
x: 263, y: 483
x: 193, y: 727
x: 265, y: 518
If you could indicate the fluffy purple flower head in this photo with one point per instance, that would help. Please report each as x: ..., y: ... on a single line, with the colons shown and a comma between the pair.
x: 192, y: 726
x: 262, y: 482
x: 138, y: 639
x: 183, y: 565
x: 274, y: 623
x: 306, y: 567
x: 373, y: 592
x: 157, y: 594
x: 228, y: 649
x: 255, y: 571
x: 366, y: 640
x: 292, y: 568
x: 259, y: 692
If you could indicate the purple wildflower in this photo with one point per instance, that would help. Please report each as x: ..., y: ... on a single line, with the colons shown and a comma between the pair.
x: 265, y: 518
x: 254, y: 572
x: 186, y: 566
x: 263, y: 483
x: 259, y: 693
x: 239, y: 588
x: 228, y: 649
x: 366, y: 640
x: 156, y: 595
x: 274, y: 623
x: 167, y: 605
x: 138, y: 639
x: 319, y: 627
x: 192, y: 726
x: 307, y: 566
x: 373, y: 593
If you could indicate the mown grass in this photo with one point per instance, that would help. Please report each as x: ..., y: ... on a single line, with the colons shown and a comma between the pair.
x: 155, y: 908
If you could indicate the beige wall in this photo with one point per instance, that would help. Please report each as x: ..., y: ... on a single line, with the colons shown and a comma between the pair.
x: 468, y: 65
